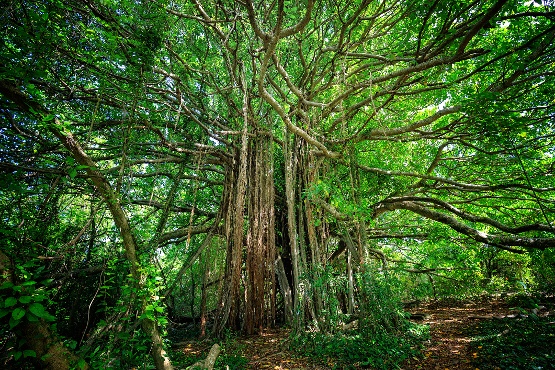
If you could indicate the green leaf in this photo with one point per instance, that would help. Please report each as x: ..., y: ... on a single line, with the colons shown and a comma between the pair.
x: 162, y: 321
x: 31, y: 318
x: 10, y: 301
x: 7, y: 284
x: 39, y: 297
x: 147, y: 315
x: 45, y: 357
x: 17, y: 355
x: 38, y: 310
x: 29, y: 353
x: 81, y: 364
x: 72, y: 173
x: 48, y: 118
x: 25, y: 299
x: 18, y: 313
x: 4, y: 312
x: 123, y: 335
x: 13, y: 323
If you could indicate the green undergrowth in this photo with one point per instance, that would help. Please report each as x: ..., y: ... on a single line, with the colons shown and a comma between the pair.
x: 231, y: 360
x: 522, y: 342
x: 362, y: 348
x: 230, y: 357
x: 383, y: 337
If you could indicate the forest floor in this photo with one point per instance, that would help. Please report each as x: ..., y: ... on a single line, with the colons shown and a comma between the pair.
x: 450, y: 327
x: 454, y: 327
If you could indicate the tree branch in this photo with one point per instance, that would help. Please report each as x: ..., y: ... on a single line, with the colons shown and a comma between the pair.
x: 501, y: 241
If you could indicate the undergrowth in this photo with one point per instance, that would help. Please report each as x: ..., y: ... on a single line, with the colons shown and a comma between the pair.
x: 515, y: 343
x: 383, y: 339
x: 361, y: 348
x: 230, y: 357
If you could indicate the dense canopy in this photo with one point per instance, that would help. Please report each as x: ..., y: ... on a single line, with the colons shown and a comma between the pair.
x: 228, y: 160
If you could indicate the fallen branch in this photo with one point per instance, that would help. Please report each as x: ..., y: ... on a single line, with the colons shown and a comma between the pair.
x: 208, y: 363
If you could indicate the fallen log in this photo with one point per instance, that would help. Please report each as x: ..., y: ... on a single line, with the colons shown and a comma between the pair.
x: 209, y: 361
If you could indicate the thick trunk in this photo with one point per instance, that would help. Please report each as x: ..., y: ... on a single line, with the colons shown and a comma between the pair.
x: 303, y: 236
x: 234, y: 203
x: 248, y: 297
x: 260, y: 305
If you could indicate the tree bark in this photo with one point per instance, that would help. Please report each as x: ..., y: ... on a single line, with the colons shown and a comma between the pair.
x: 209, y: 361
x: 351, y: 285
x: 286, y: 290
x: 204, y: 293
x: 290, y: 171
x: 234, y: 196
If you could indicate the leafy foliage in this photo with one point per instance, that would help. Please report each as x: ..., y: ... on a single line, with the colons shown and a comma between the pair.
x: 509, y: 343
x: 22, y: 303
x: 383, y: 338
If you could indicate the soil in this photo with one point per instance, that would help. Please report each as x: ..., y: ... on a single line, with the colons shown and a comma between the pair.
x: 448, y: 347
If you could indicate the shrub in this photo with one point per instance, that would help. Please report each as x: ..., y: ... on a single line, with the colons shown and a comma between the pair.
x: 384, y: 337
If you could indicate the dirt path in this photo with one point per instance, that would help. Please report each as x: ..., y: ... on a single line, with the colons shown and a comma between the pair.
x: 449, y: 347
x: 270, y: 351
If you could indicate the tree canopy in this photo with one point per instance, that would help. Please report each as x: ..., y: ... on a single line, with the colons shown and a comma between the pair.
x: 251, y: 149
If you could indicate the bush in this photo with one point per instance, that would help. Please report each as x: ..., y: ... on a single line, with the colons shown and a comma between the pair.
x: 384, y: 337
x: 510, y: 343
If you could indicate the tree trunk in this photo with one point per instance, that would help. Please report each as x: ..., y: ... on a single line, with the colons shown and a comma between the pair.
x: 209, y: 361
x: 234, y: 202
x: 203, y: 297
x: 55, y: 356
x: 351, y: 285
x: 290, y: 172
x: 260, y: 305
x: 249, y: 186
x: 286, y: 291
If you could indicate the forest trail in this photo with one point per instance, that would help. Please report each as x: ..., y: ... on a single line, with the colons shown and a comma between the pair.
x: 448, y: 347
